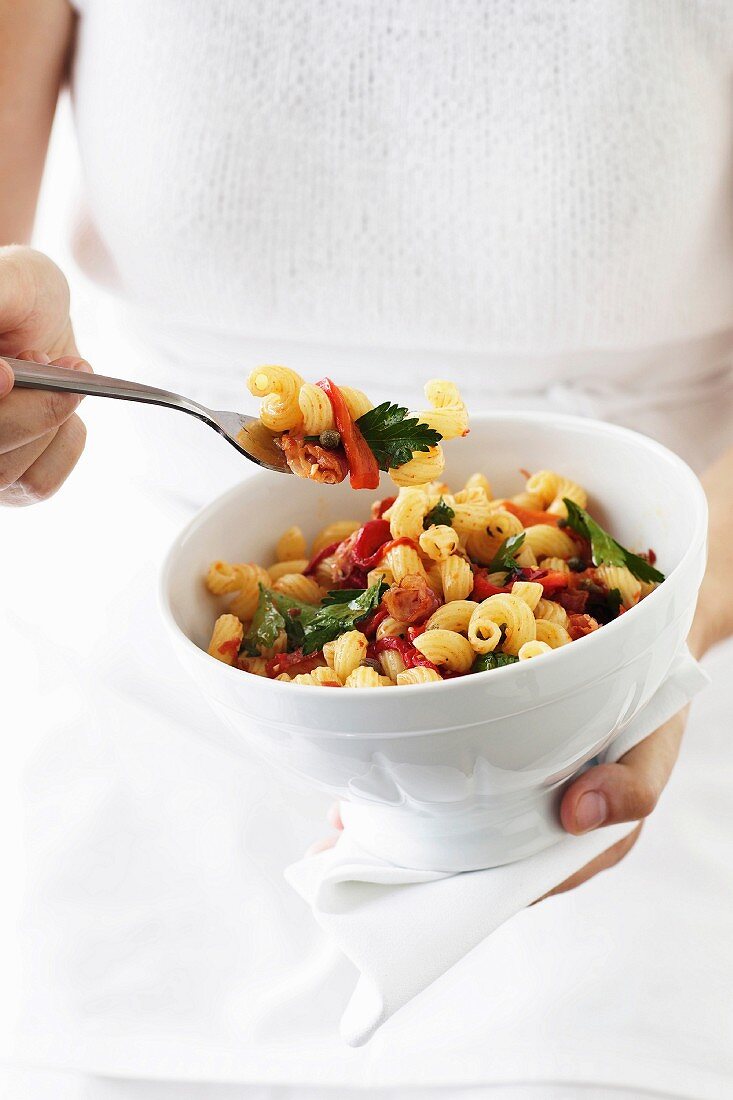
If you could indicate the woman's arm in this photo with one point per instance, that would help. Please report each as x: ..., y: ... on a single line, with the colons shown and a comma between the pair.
x: 41, y: 438
x: 35, y: 42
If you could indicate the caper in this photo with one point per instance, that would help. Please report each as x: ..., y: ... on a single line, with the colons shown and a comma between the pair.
x: 576, y: 564
x: 330, y: 439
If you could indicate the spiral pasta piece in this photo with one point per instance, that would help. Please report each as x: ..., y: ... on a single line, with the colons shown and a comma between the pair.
x: 457, y: 578
x: 513, y: 616
x: 403, y: 560
x: 621, y: 578
x: 529, y: 591
x: 555, y: 565
x: 551, y: 633
x: 226, y: 639
x: 299, y: 587
x: 315, y: 409
x: 484, y: 635
x: 348, y: 653
x: 483, y: 545
x: 551, y: 611
x: 424, y: 466
x: 325, y: 675
x: 367, y: 677
x: 446, y: 649
x: 418, y: 675
x: 392, y: 663
x: 356, y: 402
x: 533, y: 649
x: 452, y: 616
x: 391, y: 628
x: 479, y: 481
x: 279, y: 387
x: 407, y: 514
x: 290, y: 545
x: 439, y: 542
x: 280, y: 568
x: 549, y: 542
x: 247, y: 596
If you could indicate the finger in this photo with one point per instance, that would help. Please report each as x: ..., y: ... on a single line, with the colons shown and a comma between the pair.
x: 7, y: 378
x: 48, y: 473
x: 26, y: 415
x: 34, y: 357
x: 603, y: 862
x: 73, y: 362
x: 628, y: 790
x: 14, y: 463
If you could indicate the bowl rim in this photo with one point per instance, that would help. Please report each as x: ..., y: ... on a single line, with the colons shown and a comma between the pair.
x: 459, y: 683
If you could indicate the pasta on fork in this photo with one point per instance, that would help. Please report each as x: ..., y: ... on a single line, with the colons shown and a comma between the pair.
x: 327, y: 432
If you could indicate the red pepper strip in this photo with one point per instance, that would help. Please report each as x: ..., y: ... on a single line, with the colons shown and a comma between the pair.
x: 318, y: 558
x: 377, y: 557
x: 381, y: 506
x: 284, y: 662
x: 483, y: 588
x: 231, y: 645
x: 415, y: 632
x: 368, y: 626
x: 370, y: 538
x: 363, y: 468
x: 411, y: 656
x: 529, y: 518
x: 548, y: 578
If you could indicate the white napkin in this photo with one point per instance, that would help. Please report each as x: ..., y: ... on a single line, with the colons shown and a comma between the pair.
x: 403, y: 928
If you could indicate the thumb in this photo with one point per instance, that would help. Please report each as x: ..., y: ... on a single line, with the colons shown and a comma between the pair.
x: 7, y: 378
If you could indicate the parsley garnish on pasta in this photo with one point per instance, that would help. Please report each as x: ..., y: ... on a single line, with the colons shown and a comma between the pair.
x: 441, y: 515
x: 486, y: 661
x: 505, y: 558
x: 605, y: 549
x: 339, y: 615
x: 393, y: 436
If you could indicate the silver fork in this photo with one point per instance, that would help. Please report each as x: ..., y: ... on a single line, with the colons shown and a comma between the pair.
x: 246, y: 433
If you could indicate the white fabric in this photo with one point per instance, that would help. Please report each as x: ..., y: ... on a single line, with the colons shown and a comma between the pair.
x: 515, y: 195
x: 27, y: 1084
x: 448, y: 175
x: 404, y: 928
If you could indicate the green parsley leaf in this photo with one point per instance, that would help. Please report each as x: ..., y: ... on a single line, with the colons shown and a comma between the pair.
x: 486, y: 661
x: 442, y: 513
x: 276, y: 612
x: 605, y: 549
x: 341, y: 614
x: 266, y: 625
x: 393, y: 436
x: 504, y: 560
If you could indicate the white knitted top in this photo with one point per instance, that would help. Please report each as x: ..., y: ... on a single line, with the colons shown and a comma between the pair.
x: 448, y: 175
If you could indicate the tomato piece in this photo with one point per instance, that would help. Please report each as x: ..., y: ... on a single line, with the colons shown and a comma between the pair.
x: 411, y: 656
x: 318, y: 558
x: 381, y: 506
x: 529, y: 518
x: 363, y: 468
x: 368, y: 542
x: 483, y: 588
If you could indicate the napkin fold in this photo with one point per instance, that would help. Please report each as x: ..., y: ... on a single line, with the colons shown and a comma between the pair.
x: 403, y: 928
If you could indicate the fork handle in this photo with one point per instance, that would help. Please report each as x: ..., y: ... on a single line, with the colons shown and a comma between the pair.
x: 36, y: 376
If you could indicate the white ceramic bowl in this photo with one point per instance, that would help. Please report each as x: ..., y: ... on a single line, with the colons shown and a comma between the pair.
x: 466, y: 773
